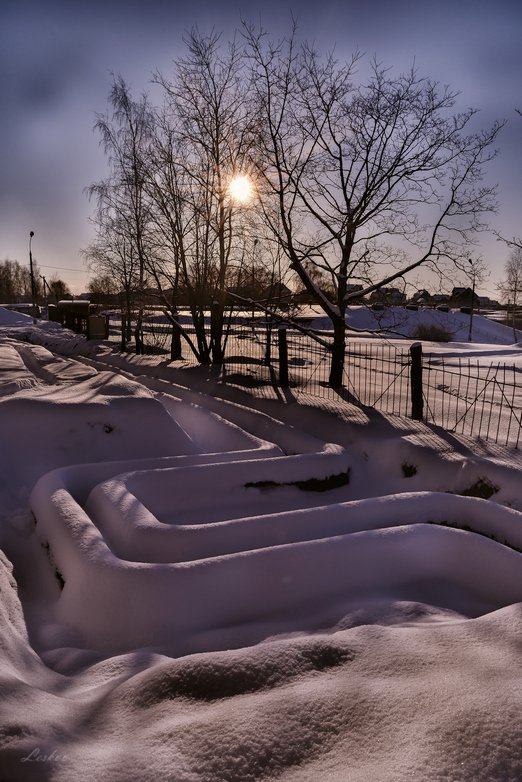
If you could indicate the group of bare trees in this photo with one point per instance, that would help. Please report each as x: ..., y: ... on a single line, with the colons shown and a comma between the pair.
x: 16, y: 286
x: 510, y: 287
x: 15, y: 283
x: 344, y: 182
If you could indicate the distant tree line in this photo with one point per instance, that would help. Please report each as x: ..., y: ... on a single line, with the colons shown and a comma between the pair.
x: 267, y: 165
x: 15, y: 285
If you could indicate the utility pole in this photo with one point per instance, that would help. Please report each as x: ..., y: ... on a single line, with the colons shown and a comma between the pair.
x: 33, y: 287
x: 45, y: 285
x: 472, y: 301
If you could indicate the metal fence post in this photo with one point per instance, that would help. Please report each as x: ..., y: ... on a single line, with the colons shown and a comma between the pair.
x: 283, y: 357
x: 417, y: 402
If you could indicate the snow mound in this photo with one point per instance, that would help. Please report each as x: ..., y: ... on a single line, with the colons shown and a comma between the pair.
x: 10, y: 318
x: 288, y: 584
x: 209, y: 545
x: 92, y: 558
x: 51, y: 368
x: 398, y: 320
x: 14, y: 375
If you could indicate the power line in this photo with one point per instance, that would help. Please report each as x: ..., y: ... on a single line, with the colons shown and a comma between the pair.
x: 63, y: 268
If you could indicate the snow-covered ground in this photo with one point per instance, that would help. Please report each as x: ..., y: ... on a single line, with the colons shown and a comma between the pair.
x: 246, y: 588
x: 399, y: 320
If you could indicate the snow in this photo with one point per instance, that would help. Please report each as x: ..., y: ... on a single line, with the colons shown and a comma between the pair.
x: 398, y: 320
x: 9, y: 318
x: 186, y: 594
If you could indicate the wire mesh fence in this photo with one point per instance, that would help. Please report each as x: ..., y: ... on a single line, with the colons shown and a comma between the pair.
x: 471, y: 398
x: 478, y: 400
x: 156, y: 334
x: 375, y: 375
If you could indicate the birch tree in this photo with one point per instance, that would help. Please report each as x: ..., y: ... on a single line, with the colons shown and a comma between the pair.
x: 510, y: 287
x: 122, y: 217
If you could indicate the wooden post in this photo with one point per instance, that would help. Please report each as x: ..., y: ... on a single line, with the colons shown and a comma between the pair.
x: 123, y: 332
x: 215, y: 330
x: 417, y: 402
x: 283, y: 357
x: 107, y: 326
x: 175, y: 342
x: 138, y: 340
x: 268, y: 348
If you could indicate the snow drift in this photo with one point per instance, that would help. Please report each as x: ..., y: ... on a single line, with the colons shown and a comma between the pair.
x: 202, y: 602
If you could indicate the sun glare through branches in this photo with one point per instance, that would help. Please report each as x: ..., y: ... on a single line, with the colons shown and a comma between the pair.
x: 241, y: 189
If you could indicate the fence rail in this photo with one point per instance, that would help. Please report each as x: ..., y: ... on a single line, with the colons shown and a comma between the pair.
x: 465, y: 397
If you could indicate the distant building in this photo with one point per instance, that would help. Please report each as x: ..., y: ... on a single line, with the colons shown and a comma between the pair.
x: 463, y: 297
x: 302, y: 296
x: 440, y: 299
x: 272, y: 294
x: 460, y: 297
x: 390, y: 297
x: 422, y: 298
x: 485, y: 303
x: 352, y: 289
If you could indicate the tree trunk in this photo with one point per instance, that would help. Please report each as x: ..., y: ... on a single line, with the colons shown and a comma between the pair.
x: 216, y: 321
x: 337, y: 355
x: 198, y: 318
x: 123, y: 332
x: 129, y: 317
x: 138, y: 334
x: 175, y: 343
x: 268, y: 348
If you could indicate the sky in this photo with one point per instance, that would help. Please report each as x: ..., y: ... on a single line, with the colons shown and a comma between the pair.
x: 56, y: 59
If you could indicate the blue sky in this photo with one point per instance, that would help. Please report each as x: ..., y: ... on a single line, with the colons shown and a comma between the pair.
x: 55, y: 64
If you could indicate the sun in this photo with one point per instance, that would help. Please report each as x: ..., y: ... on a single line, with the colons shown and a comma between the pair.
x: 241, y: 188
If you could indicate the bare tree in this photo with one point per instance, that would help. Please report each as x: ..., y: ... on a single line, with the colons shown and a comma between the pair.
x: 113, y: 255
x: 206, y: 105
x: 102, y: 289
x: 510, y: 288
x: 59, y: 289
x: 515, y: 241
x: 474, y: 273
x: 167, y: 210
x: 15, y: 282
x: 182, y: 266
x: 351, y: 176
x: 121, y: 248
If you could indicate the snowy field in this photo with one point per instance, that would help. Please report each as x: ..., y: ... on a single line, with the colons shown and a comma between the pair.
x: 205, y: 589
